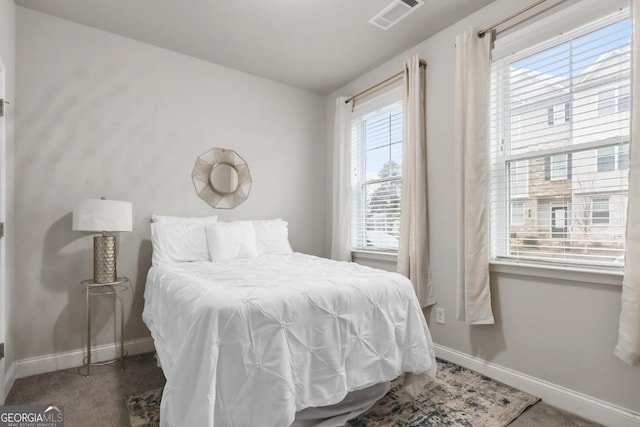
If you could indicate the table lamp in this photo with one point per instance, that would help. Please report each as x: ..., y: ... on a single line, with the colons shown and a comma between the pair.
x: 103, y: 216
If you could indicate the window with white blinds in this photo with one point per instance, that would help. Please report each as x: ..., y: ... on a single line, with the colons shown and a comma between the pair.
x: 560, y: 147
x: 376, y: 141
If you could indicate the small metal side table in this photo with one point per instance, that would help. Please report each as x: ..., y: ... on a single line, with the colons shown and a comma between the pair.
x: 91, y: 289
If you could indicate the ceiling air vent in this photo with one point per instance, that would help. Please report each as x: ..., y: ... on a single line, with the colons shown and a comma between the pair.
x: 394, y: 13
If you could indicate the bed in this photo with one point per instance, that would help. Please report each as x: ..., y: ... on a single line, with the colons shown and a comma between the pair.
x: 267, y: 340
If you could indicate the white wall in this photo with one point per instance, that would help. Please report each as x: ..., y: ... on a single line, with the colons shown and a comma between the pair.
x: 7, y: 55
x: 559, y: 331
x: 102, y: 115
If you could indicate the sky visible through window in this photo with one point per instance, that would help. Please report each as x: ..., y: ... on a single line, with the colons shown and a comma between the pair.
x: 585, y: 49
x: 383, y: 139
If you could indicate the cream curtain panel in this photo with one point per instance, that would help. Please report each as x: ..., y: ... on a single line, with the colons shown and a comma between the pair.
x: 472, y: 157
x: 413, y: 250
x: 628, y: 347
x: 341, y: 215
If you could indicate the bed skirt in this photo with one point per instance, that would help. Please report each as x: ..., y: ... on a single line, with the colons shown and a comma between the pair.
x: 354, y: 404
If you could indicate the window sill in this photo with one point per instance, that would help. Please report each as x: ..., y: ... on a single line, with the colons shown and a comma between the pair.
x: 574, y: 274
x: 377, y: 256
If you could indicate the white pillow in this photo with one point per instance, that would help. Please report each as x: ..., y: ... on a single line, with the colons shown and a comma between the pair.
x: 184, y: 219
x: 231, y: 240
x: 272, y: 237
x: 178, y: 242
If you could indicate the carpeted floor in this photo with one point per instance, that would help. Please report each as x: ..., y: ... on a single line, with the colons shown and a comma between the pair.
x: 99, y: 401
x: 95, y: 401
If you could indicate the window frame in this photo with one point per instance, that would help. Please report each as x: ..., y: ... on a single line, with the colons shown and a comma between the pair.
x: 359, y: 186
x: 618, y: 101
x: 619, y: 153
x: 500, y: 221
x: 561, y: 172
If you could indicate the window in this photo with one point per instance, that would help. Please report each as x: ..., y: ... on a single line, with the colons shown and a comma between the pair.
x: 606, y: 159
x: 377, y: 168
x: 567, y: 112
x: 559, y: 114
x: 624, y: 98
x: 517, y: 213
x: 614, y: 100
x: 571, y: 97
x: 600, y: 210
x: 559, y: 167
x: 606, y: 101
x: 613, y: 158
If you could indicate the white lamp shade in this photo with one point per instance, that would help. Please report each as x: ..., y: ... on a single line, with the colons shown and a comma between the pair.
x: 102, y: 215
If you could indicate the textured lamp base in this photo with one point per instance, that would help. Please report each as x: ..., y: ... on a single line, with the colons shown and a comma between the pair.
x: 104, y: 259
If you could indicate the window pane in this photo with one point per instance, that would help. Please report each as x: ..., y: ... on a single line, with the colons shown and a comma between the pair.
x: 623, y: 157
x: 376, y: 160
x: 559, y: 164
x: 396, y: 154
x: 517, y: 213
x: 519, y: 179
x: 376, y: 182
x: 624, y: 98
x: 606, y: 159
x: 600, y: 210
x: 606, y: 101
x: 383, y: 215
x: 571, y: 99
x: 567, y: 112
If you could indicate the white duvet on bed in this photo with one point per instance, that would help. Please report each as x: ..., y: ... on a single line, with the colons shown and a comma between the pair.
x: 251, y: 342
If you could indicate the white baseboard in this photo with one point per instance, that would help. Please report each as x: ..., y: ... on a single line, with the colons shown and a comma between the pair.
x: 70, y: 359
x: 555, y: 395
x: 9, y: 379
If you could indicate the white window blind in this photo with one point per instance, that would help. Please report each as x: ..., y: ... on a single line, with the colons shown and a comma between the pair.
x: 560, y: 147
x: 377, y: 165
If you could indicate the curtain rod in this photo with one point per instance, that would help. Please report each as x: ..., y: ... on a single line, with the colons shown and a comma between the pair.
x: 515, y: 15
x: 377, y: 85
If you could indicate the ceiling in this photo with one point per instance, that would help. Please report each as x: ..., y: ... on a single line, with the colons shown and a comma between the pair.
x: 317, y: 45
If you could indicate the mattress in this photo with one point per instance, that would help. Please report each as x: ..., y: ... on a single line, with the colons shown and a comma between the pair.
x: 251, y: 342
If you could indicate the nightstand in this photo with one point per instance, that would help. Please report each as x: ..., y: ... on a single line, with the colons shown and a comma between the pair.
x: 92, y: 289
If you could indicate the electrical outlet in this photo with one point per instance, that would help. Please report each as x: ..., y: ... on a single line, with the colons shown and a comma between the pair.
x: 440, y: 315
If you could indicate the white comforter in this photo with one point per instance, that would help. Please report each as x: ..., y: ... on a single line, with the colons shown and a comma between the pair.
x: 251, y: 342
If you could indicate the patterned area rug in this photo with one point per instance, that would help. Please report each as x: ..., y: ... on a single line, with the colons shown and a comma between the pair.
x: 459, y: 397
x: 144, y: 409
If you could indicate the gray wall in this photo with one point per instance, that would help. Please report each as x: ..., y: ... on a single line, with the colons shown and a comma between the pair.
x: 560, y: 331
x: 102, y: 115
x: 7, y: 53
